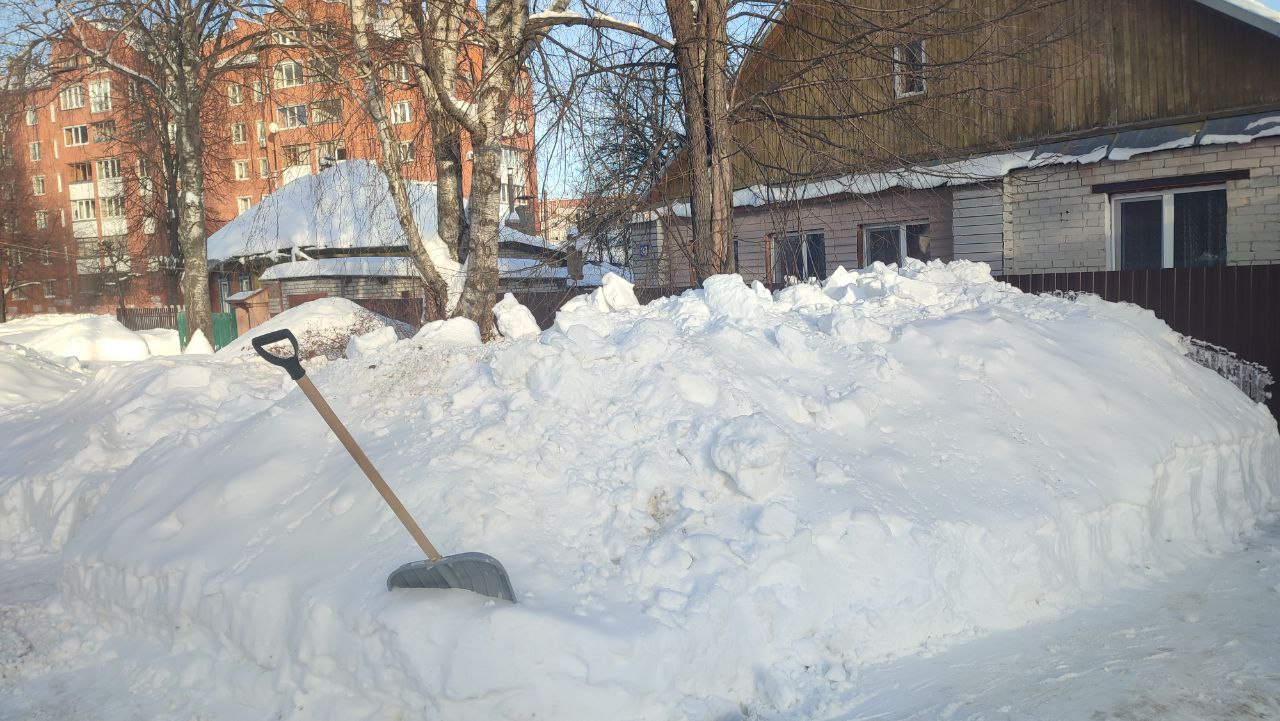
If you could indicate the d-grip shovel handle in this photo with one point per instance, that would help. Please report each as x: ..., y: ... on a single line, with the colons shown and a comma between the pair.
x: 292, y: 363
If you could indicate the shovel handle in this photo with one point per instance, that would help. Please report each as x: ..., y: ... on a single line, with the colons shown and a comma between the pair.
x: 339, y: 430
x: 291, y: 363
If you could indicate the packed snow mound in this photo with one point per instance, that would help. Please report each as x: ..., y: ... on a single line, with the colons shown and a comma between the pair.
x: 32, y: 324
x: 513, y: 319
x: 29, y: 377
x: 718, y: 505
x: 323, y: 327
x: 91, y: 338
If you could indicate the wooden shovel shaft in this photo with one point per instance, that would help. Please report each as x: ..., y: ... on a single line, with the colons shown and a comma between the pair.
x: 366, y: 465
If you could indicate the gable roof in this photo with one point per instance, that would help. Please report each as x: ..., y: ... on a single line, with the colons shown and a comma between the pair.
x: 1248, y: 11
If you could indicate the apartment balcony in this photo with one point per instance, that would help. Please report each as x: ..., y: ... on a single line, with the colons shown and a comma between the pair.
x: 110, y: 187
x: 82, y: 190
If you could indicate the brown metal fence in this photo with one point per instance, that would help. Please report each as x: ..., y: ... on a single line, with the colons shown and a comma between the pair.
x: 148, y: 318
x: 1235, y: 307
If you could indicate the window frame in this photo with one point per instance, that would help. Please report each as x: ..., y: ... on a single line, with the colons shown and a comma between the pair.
x: 902, y: 70
x: 292, y: 116
x: 278, y: 76
x: 38, y: 185
x: 111, y: 166
x: 243, y: 204
x: 235, y: 94
x: 239, y: 133
x: 401, y: 112
x: 1168, y: 251
x: 803, y: 236
x: 81, y: 131
x: 901, y: 226
x: 75, y: 90
x: 100, y: 102
x: 33, y: 151
x: 240, y: 169
x: 89, y: 203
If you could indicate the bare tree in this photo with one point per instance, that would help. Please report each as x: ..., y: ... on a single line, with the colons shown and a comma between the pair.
x: 173, y: 51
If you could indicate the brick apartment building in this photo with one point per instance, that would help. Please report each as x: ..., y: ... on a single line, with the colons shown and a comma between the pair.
x: 85, y: 155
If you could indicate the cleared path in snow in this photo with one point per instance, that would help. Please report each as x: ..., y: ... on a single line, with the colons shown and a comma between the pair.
x: 1202, y: 644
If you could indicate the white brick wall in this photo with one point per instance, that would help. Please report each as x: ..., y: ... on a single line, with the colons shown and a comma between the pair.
x: 1054, y: 223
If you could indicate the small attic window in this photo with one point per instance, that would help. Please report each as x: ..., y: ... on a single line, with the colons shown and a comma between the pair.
x: 908, y: 69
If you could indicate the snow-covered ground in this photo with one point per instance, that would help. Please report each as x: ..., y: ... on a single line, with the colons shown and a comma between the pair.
x: 901, y: 494
x: 87, y: 338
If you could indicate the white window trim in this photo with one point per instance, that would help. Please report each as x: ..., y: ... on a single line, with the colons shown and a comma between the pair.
x: 41, y: 186
x: 244, y: 133
x: 901, y: 227
x: 401, y: 112
x: 899, y: 76
x: 803, y: 235
x: 75, y: 145
x: 1166, y: 218
x: 241, y: 169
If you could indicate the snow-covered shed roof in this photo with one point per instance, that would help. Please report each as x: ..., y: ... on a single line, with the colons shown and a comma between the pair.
x: 1114, y: 146
x: 345, y: 206
x: 365, y: 266
x: 243, y: 295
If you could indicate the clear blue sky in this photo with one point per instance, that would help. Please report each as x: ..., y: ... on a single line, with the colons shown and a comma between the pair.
x: 1275, y: 4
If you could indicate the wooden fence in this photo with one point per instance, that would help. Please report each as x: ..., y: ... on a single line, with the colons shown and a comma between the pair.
x: 148, y: 318
x: 1234, y: 307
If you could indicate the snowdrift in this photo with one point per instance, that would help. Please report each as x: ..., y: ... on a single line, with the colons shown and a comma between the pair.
x: 721, y: 505
x: 88, y: 338
x: 323, y: 327
x: 28, y: 377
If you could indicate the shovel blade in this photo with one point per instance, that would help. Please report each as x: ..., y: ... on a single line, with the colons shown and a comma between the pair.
x: 476, y: 572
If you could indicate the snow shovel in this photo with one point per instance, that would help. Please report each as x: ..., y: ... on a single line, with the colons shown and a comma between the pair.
x: 476, y: 572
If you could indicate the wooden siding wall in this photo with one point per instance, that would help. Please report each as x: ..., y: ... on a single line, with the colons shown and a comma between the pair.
x: 1079, y: 67
x: 977, y: 213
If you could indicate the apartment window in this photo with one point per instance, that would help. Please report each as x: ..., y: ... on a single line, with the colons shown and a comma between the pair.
x: 34, y: 150
x: 331, y: 152
x: 515, y: 175
x: 104, y: 132
x: 908, y: 69
x: 324, y: 70
x: 326, y: 111
x: 49, y: 289
x: 242, y: 169
x: 37, y: 185
x: 799, y: 255
x: 1182, y: 228
x: 100, y: 96
x: 71, y: 97
x: 293, y: 116
x: 42, y: 220
x: 113, y: 207
x: 401, y: 112
x: 143, y: 170
x: 406, y: 151
x: 235, y: 94
x: 32, y: 116
x: 262, y: 133
x: 258, y: 95
x: 243, y: 203
x: 239, y: 131
x: 133, y: 91
x: 297, y: 155
x: 46, y: 257
x: 81, y: 172
x: 283, y: 38
x: 890, y: 243
x: 82, y: 210
x: 108, y: 168
x: 75, y: 135
x: 264, y: 168
x: 288, y: 74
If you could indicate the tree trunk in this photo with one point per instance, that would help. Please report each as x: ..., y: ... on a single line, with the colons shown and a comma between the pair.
x: 702, y: 60
x: 451, y: 214
x: 192, y: 234
x: 481, y: 290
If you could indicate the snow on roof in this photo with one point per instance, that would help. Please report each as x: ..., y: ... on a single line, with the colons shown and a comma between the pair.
x: 1116, y: 146
x: 344, y: 206
x: 594, y: 273
x: 1248, y: 11
x: 367, y: 266
x: 243, y: 295
x: 530, y: 268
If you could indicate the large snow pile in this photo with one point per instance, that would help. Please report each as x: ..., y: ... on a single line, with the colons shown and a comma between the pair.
x: 92, y: 338
x: 29, y: 377
x: 721, y: 505
x: 323, y: 327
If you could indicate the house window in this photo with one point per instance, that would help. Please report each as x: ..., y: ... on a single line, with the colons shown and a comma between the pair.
x: 239, y: 131
x: 406, y: 151
x: 133, y: 91
x: 71, y: 97
x: 288, y: 74
x: 108, y: 168
x: 34, y: 150
x: 46, y: 257
x: 246, y: 282
x: 908, y: 69
x: 104, y: 132
x: 32, y: 116
x: 49, y: 289
x: 515, y: 175
x: 143, y: 170
x: 890, y: 243
x: 326, y: 111
x: 81, y: 172
x: 242, y: 169
x: 243, y: 203
x: 262, y: 133
x: 283, y: 38
x: 235, y: 94
x: 398, y: 72
x: 75, y: 135
x: 1182, y: 228
x: 264, y: 168
x: 401, y: 112
x: 799, y: 255
x: 258, y: 95
x: 297, y: 155
x: 37, y: 185
x: 293, y: 116
x: 113, y: 207
x: 42, y: 220
x: 100, y: 96
x: 82, y: 210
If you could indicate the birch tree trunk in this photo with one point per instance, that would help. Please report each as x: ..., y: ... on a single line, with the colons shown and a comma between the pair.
x: 192, y: 233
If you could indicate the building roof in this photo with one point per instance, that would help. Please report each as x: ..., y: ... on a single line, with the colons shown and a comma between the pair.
x: 364, y: 266
x: 243, y: 295
x: 1248, y: 11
